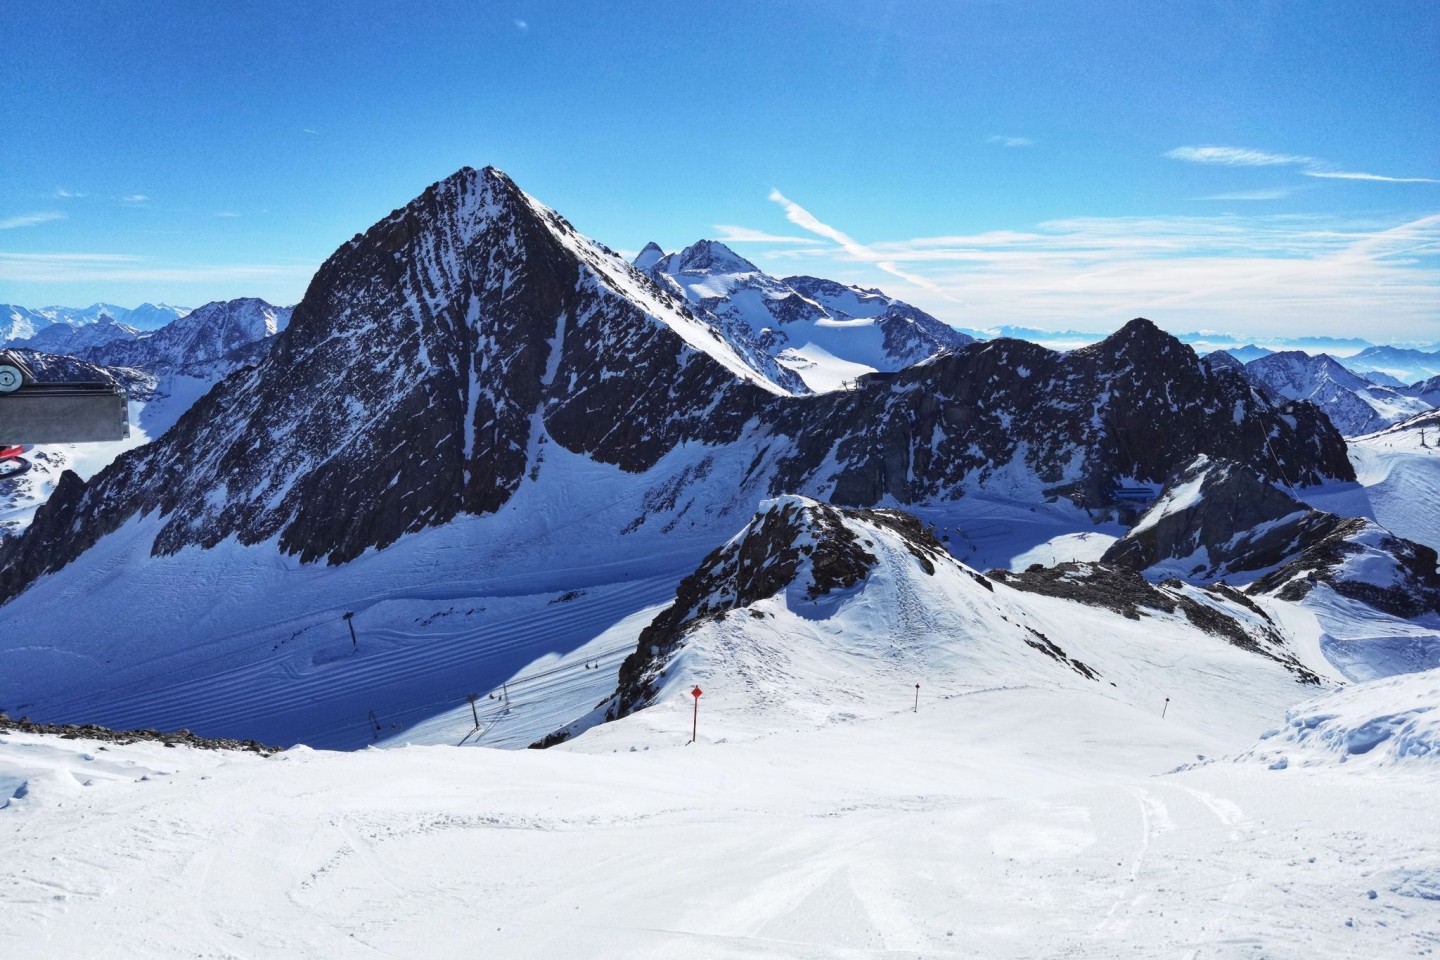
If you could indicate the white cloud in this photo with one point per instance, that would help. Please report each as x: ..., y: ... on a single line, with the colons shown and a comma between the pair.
x: 1267, y: 275
x: 135, y: 198
x: 1328, y: 175
x: 227, y: 215
x: 522, y: 26
x: 805, y: 220
x: 1244, y: 157
x: 62, y: 194
x: 1011, y: 141
x: 729, y: 233
x: 1276, y: 193
x: 1235, y: 156
x: 29, y: 220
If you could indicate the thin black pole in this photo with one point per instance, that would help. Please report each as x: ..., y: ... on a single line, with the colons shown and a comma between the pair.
x: 917, y: 699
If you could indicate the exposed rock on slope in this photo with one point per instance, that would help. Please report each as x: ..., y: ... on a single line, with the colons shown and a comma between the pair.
x: 1219, y: 519
x: 793, y: 544
x: 1361, y: 560
x: 807, y: 592
x: 1127, y: 593
x: 412, y: 384
x: 1016, y: 418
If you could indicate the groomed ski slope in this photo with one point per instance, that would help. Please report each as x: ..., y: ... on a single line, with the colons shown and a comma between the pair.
x: 1010, y: 823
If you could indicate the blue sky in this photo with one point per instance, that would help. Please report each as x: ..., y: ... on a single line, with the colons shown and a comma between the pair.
x: 1255, y: 167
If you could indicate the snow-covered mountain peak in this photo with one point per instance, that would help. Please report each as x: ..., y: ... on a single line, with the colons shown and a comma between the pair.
x: 709, y: 256
x: 1354, y: 404
x: 825, y: 332
x: 648, y: 257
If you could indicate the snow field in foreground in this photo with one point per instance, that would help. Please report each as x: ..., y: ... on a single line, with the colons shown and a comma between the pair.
x: 1008, y: 824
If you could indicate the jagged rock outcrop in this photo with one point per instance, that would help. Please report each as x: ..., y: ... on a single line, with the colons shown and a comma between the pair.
x: 417, y: 375
x: 1218, y: 519
x: 1031, y: 422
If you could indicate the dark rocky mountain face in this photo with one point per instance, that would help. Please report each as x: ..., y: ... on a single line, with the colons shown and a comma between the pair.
x: 1137, y: 406
x: 1223, y: 518
x: 435, y: 357
x: 412, y: 385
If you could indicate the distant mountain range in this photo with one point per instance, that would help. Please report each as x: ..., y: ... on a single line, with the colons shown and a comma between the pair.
x: 22, y: 323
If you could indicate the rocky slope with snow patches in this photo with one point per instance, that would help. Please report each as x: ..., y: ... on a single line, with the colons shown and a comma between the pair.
x: 1219, y: 520
x: 1021, y: 421
x: 1355, y: 405
x: 827, y: 333
x: 807, y: 593
x: 414, y: 382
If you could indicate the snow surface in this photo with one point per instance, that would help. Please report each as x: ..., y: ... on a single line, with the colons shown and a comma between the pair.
x: 1002, y: 823
x: 1397, y: 484
x: 1383, y: 723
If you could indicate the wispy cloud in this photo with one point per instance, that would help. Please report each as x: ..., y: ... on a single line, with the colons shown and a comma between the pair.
x: 309, y: 131
x: 227, y: 215
x: 62, y: 194
x: 729, y: 233
x: 1236, y: 156
x: 805, y: 220
x: 1011, y: 141
x: 29, y: 220
x: 1314, y: 167
x: 1336, y: 175
x: 135, y: 198
x: 1276, y: 193
x: 522, y: 26
x: 1263, y: 274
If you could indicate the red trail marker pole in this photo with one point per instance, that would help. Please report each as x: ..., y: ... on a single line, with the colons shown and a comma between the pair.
x: 695, y: 720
